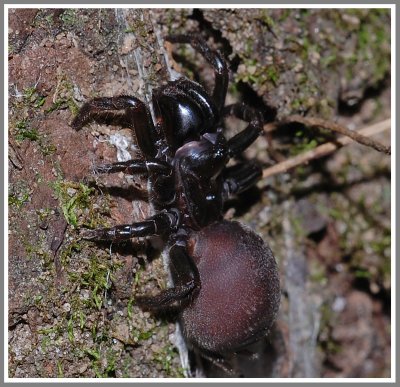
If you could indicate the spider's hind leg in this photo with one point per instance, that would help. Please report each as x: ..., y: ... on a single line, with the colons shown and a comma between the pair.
x: 218, y: 365
x: 186, y: 282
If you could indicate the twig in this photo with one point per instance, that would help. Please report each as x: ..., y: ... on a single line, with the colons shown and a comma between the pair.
x: 356, y: 136
x: 324, y: 149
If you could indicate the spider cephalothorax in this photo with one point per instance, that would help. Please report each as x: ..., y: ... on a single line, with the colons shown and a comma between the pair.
x: 226, y: 284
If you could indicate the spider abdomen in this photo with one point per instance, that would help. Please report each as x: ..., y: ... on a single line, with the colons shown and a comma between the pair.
x: 240, y: 293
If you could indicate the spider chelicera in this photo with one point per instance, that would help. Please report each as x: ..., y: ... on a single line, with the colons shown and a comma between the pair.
x: 225, y: 278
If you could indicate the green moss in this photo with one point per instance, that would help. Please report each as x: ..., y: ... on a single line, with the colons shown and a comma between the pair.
x: 94, y: 276
x: 47, y: 149
x: 33, y: 98
x: 24, y: 132
x: 362, y: 273
x: 45, y: 343
x: 304, y: 142
x: 267, y: 19
x: 37, y: 299
x: 138, y: 27
x: 46, y: 331
x: 368, y: 257
x: 382, y: 245
x: 332, y: 347
x: 70, y: 330
x: 104, y: 360
x: 257, y: 74
x: 93, y: 353
x: 165, y: 357
x: 109, y: 370
x: 272, y: 74
x: 37, y: 251
x: 97, y: 279
x: 18, y: 200
x: 298, y: 228
x: 64, y: 96
x: 69, y: 17
x: 318, y: 273
x: 297, y: 104
x: 68, y: 250
x: 129, y: 308
x: 328, y: 319
x: 138, y: 335
x: 329, y: 60
x: 72, y: 106
x: 74, y: 198
x: 373, y: 41
x: 60, y: 371
x: 285, y: 13
x: 49, y: 19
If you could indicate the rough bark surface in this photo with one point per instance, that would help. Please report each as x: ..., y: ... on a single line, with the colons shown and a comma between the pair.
x: 71, y: 303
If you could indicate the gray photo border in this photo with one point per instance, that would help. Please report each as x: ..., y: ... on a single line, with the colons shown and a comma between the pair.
x: 166, y: 4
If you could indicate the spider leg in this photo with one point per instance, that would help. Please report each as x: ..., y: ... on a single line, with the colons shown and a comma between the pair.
x: 135, y: 115
x: 218, y: 361
x: 247, y: 136
x: 214, y: 59
x: 159, y: 224
x: 240, y: 177
x: 159, y: 171
x: 186, y: 282
x: 133, y: 167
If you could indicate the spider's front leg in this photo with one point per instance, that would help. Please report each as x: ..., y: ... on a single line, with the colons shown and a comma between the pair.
x: 240, y: 177
x: 214, y: 59
x: 238, y: 143
x: 125, y: 111
x: 186, y: 282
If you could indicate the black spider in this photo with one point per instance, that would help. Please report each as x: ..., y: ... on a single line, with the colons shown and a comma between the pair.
x: 226, y: 284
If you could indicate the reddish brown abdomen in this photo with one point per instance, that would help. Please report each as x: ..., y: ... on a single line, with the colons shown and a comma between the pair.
x: 240, y: 292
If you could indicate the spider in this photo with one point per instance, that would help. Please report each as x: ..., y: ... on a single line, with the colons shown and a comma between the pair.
x: 225, y: 279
